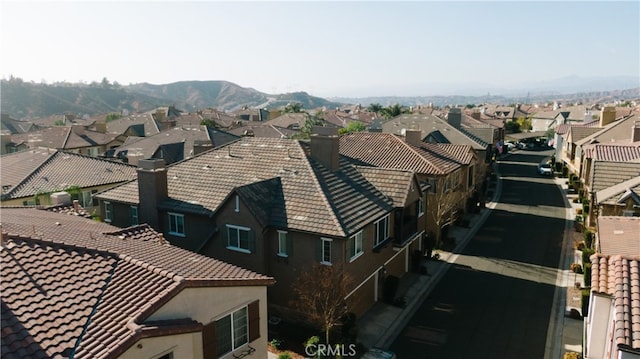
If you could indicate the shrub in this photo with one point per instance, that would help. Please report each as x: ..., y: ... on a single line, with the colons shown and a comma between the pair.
x: 572, y: 355
x: 588, y: 238
x: 579, y: 245
x: 587, y: 276
x: 578, y: 211
x: 285, y: 355
x: 576, y: 200
x: 276, y: 343
x: 586, y: 254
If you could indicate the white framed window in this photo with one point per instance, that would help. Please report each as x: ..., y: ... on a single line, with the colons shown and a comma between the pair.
x: 283, y: 244
x: 239, y: 238
x: 108, y: 212
x: 236, y: 207
x: 86, y: 200
x: 232, y: 332
x: 134, y: 215
x: 421, y: 207
x: 325, y: 251
x: 176, y: 224
x: 382, y: 229
x: 355, y: 246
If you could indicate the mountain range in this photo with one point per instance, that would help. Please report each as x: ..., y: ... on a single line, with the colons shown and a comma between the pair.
x: 28, y: 100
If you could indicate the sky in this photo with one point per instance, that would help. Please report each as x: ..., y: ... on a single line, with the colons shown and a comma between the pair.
x: 325, y: 48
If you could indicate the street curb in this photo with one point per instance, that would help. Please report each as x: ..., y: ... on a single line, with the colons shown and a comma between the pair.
x: 403, y: 319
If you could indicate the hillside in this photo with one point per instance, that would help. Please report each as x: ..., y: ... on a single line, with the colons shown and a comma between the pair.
x: 24, y: 100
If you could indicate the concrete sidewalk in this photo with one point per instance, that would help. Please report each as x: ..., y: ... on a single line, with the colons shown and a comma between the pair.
x: 381, y: 324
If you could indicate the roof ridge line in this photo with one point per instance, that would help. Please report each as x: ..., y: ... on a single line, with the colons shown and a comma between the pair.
x: 24, y: 180
x: 413, y: 149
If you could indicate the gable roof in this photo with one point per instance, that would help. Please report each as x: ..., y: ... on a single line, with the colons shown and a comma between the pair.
x: 121, y: 125
x: 619, y: 277
x: 607, y: 174
x: 202, y: 184
x: 88, y: 281
x: 61, y: 170
x: 618, y: 131
x: 148, y: 147
x: 618, y: 193
x: 14, y: 126
x: 613, y: 152
x: 430, y: 124
x: 390, y: 151
x: 18, y: 165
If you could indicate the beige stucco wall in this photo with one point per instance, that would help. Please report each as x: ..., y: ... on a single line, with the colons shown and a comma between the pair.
x: 211, y: 303
x: 182, y: 345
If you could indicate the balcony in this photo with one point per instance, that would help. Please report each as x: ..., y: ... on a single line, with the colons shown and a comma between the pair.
x: 405, y: 231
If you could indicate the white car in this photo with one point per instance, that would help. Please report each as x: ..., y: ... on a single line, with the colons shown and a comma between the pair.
x: 510, y: 145
x: 544, y: 168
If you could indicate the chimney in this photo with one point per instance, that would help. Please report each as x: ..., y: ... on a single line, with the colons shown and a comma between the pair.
x: 325, y: 147
x: 200, y: 146
x: 607, y: 115
x: 413, y: 137
x: 455, y: 117
x: 101, y: 127
x: 635, y: 132
x: 475, y: 114
x: 152, y: 190
x: 76, y: 206
x: 78, y: 129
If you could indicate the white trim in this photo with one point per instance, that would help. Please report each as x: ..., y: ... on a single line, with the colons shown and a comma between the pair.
x: 356, y: 254
x: 323, y: 239
x: 237, y: 204
x: 282, y: 253
x: 238, y: 228
x: 110, y: 211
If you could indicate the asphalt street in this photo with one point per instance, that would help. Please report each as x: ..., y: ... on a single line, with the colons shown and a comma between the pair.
x: 496, y: 299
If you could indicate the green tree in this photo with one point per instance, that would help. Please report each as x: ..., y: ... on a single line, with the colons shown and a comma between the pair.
x: 112, y: 116
x: 295, y: 107
x: 393, y: 111
x: 375, y: 107
x: 353, y: 126
x: 58, y: 123
x: 525, y: 124
x: 512, y: 127
x: 207, y: 122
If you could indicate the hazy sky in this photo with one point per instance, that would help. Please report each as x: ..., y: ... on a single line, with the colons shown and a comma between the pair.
x: 326, y: 48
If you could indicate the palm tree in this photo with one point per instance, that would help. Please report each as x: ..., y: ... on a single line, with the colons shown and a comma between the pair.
x: 393, y: 111
x: 375, y: 107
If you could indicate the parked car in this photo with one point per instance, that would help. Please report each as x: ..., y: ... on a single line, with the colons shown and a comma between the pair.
x: 544, y: 168
x: 510, y: 145
x: 377, y: 353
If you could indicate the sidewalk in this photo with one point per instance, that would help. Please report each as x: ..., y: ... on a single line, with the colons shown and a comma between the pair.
x: 383, y: 322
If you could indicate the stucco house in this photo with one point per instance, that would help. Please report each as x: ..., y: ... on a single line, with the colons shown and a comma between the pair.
x: 277, y: 206
x: 76, y: 288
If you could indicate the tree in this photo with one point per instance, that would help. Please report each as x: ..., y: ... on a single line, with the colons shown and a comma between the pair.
x: 374, y: 107
x: 393, y: 111
x: 207, y: 122
x: 353, y: 126
x: 525, y: 124
x: 312, y: 120
x: 320, y: 296
x: 443, y: 204
x: 512, y: 127
x: 295, y: 107
x: 112, y: 116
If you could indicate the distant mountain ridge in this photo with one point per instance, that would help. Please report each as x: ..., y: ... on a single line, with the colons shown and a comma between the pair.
x: 30, y: 100
x: 25, y: 100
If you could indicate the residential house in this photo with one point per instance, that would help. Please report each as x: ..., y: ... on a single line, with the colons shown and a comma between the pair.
x: 606, y: 166
x: 75, y: 138
x: 451, y: 170
x: 561, y: 132
x: 622, y: 199
x: 437, y: 130
x: 137, y: 125
x: 487, y: 131
x: 76, y: 288
x: 611, y: 131
x: 260, y: 129
x: 31, y: 177
x: 612, y: 326
x: 12, y: 126
x: 277, y: 206
x: 172, y: 145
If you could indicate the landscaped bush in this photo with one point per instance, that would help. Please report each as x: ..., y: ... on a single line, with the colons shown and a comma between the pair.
x: 585, y: 302
x: 276, y: 343
x: 285, y: 355
x: 588, y: 238
x: 586, y: 255
x: 576, y: 268
x: 578, y: 211
x: 587, y: 275
x: 572, y: 355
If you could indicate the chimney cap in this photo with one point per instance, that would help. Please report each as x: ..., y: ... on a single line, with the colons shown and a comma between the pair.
x: 151, y: 163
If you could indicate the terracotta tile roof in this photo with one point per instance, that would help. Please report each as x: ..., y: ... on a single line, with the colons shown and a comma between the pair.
x: 430, y: 124
x: 15, y: 167
x: 63, y: 275
x: 619, y: 235
x: 146, y: 120
x: 204, y: 182
x: 64, y: 169
x: 614, y: 153
x: 618, y: 131
x: 607, y: 174
x: 393, y: 183
x: 619, y: 277
x: 390, y: 151
x: 151, y: 146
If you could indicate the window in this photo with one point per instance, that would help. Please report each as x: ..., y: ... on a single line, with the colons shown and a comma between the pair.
x: 325, y: 251
x: 166, y: 356
x: 108, y: 212
x: 447, y: 184
x: 86, y: 199
x: 433, y: 185
x: 134, y: 215
x: 283, y: 244
x: 232, y: 331
x: 421, y: 207
x: 355, y: 246
x: 176, y: 224
x: 382, y: 230
x: 239, y: 238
